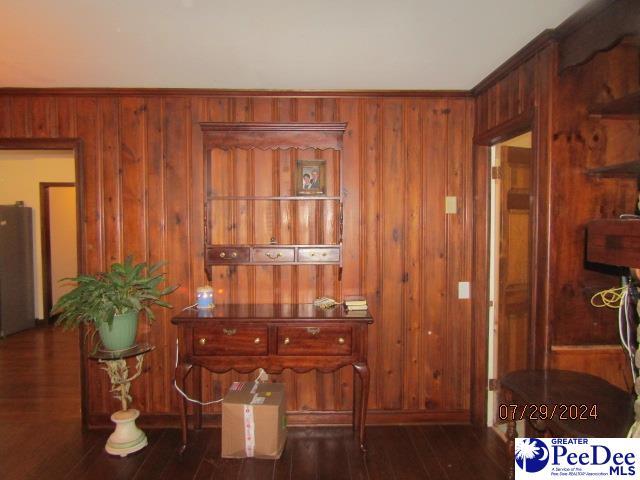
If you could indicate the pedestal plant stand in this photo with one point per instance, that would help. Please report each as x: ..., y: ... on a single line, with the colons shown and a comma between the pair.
x: 127, y: 437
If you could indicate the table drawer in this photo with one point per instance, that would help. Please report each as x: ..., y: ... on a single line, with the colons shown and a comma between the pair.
x: 230, y: 340
x: 273, y: 255
x: 222, y: 255
x: 314, y: 340
x: 316, y: 255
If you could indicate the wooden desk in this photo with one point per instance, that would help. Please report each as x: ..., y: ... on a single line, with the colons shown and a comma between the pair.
x: 563, y: 389
x: 274, y: 337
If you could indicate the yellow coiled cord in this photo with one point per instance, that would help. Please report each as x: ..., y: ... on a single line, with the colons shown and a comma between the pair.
x: 608, y: 298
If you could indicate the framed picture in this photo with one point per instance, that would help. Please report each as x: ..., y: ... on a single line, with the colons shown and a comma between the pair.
x: 310, y: 177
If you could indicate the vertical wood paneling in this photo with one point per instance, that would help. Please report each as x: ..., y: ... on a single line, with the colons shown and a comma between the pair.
x: 393, y: 238
x: 132, y: 170
x: 285, y: 110
x: 413, y: 257
x: 435, y: 253
x: 370, y: 184
x: 242, y: 181
x: 108, y: 132
x: 159, y: 363
x: 66, y: 117
x: 213, y: 386
x: 306, y: 231
x: 5, y: 117
x: 176, y: 136
x: 567, y: 142
x: 44, y: 118
x: 143, y: 188
x: 327, y: 221
x: 132, y: 153
x: 350, y: 111
x: 578, y: 143
x: 458, y: 263
x: 263, y: 211
x: 88, y: 114
x: 20, y: 116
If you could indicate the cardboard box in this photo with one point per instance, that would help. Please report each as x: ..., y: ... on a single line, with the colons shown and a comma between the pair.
x: 254, y: 420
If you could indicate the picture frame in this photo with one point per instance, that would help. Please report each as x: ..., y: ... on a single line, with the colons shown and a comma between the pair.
x: 310, y: 177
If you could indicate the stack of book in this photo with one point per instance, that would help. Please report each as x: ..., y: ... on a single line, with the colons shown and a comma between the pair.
x: 355, y: 304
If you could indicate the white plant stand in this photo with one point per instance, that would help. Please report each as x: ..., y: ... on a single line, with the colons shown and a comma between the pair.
x: 127, y: 437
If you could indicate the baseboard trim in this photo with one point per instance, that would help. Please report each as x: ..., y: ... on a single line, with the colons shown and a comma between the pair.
x: 318, y: 419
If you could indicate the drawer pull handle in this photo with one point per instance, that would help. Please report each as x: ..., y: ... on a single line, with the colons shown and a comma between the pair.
x: 273, y: 256
x: 313, y: 254
x: 341, y: 341
x: 234, y: 254
x: 287, y: 341
x: 202, y: 341
x: 257, y: 340
x: 229, y: 331
x: 222, y: 254
x: 313, y: 330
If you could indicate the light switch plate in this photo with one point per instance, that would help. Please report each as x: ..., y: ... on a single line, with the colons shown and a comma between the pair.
x: 464, y: 290
x: 451, y: 205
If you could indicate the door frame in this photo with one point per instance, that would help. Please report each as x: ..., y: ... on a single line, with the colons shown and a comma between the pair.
x: 76, y: 146
x: 530, y: 120
x: 45, y: 244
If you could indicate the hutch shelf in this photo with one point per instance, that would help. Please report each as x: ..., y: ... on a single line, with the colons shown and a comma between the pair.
x: 624, y: 107
x: 619, y: 170
x: 295, y: 137
x: 616, y: 241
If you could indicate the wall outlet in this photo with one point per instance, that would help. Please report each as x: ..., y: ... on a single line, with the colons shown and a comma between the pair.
x: 450, y: 204
x: 464, y: 290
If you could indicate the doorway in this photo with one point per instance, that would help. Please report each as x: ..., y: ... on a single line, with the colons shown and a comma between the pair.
x: 22, y: 171
x: 24, y: 164
x: 58, y: 231
x: 510, y: 264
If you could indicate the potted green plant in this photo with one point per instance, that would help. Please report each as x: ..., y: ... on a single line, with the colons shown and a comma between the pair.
x: 112, y: 301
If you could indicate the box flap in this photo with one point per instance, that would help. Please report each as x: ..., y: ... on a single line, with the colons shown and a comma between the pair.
x: 253, y: 393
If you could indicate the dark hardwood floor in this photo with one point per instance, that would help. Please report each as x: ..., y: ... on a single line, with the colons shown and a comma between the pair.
x: 41, y: 438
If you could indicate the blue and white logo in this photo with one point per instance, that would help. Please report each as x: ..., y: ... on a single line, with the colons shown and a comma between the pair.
x: 532, y: 455
x: 578, y: 458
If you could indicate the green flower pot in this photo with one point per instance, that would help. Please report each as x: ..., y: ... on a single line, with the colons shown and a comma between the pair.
x: 122, y: 332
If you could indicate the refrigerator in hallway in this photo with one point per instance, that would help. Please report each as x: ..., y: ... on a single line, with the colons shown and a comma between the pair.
x: 16, y: 269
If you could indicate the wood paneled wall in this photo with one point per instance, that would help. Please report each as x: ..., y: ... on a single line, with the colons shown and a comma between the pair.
x: 143, y: 195
x: 570, y: 333
x: 518, y: 99
x: 579, y: 143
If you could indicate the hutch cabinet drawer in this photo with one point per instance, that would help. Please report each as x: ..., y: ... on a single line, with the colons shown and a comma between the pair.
x: 273, y: 255
x: 614, y: 242
x: 314, y: 340
x: 230, y: 254
x: 315, y: 255
x: 230, y: 340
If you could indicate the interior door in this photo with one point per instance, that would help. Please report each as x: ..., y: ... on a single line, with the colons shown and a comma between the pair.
x: 59, y: 240
x: 514, y: 276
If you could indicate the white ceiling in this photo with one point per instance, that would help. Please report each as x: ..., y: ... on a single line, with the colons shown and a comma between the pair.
x: 266, y: 44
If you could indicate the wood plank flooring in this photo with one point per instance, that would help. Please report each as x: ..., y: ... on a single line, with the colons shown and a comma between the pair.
x: 41, y: 438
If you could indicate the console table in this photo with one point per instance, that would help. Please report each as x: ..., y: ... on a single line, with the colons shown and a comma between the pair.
x: 273, y: 337
x: 569, y: 399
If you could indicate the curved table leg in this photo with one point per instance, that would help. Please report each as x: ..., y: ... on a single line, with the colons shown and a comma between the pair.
x: 355, y: 420
x: 363, y: 372
x: 181, y: 372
